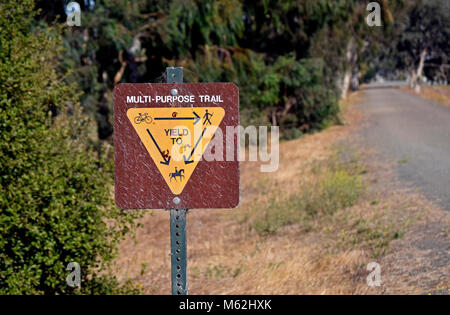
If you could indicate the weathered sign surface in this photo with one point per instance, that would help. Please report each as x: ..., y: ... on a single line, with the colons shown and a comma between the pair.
x: 161, y: 133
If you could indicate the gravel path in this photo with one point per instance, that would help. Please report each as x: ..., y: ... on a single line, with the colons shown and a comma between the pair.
x: 413, y: 132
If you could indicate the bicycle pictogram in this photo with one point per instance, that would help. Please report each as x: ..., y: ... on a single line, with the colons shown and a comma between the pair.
x: 143, y: 117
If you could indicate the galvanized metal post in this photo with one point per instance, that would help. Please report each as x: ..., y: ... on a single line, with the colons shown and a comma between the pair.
x: 178, y: 251
x: 174, y: 75
x: 178, y: 248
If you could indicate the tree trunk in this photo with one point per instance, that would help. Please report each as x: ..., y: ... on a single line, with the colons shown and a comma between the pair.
x: 412, y: 79
x: 351, y: 58
x: 419, y: 72
x: 274, y: 117
x: 288, y: 105
x: 346, y: 83
x: 355, y: 79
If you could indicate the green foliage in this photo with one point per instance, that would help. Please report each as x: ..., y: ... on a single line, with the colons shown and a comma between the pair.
x: 293, y: 91
x: 291, y: 134
x: 55, y: 189
x: 200, y: 22
x: 425, y: 26
x: 289, y: 58
x: 267, y: 48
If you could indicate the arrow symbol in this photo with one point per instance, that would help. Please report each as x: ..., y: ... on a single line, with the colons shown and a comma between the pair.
x: 188, y: 160
x: 196, y: 118
x: 166, y: 161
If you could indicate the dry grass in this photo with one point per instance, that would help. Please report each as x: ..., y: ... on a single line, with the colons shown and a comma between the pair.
x: 326, y: 253
x: 440, y: 93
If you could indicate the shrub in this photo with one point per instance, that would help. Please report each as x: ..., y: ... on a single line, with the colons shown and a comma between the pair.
x: 291, y: 134
x: 289, y: 92
x: 55, y: 190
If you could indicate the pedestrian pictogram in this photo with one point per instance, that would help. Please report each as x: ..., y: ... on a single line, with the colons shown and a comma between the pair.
x: 207, y: 116
x: 177, y: 140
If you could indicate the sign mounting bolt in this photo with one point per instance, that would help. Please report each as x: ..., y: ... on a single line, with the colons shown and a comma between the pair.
x: 174, y: 92
x: 176, y: 200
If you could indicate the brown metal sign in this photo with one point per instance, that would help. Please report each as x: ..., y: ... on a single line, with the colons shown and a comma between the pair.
x: 176, y: 145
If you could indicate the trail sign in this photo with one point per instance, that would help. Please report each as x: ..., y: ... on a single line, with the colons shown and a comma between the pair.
x: 161, y: 132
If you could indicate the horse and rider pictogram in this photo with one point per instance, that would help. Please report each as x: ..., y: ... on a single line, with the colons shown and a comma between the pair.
x: 177, y: 173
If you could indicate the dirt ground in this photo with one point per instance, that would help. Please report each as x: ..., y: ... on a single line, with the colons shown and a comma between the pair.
x: 440, y: 93
x: 227, y: 256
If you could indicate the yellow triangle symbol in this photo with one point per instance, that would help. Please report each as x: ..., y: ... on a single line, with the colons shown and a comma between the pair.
x: 176, y: 138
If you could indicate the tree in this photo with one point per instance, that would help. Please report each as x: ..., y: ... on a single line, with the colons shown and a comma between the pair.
x: 258, y: 45
x: 55, y: 189
x: 423, y: 37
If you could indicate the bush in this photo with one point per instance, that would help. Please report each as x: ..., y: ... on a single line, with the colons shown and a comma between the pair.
x: 55, y: 190
x: 289, y: 92
x: 291, y: 134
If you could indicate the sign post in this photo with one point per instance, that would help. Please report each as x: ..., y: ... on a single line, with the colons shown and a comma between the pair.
x: 176, y: 147
x: 178, y: 245
x: 178, y: 251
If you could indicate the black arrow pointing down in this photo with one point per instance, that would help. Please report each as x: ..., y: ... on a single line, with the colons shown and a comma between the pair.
x: 166, y: 161
x: 188, y: 160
